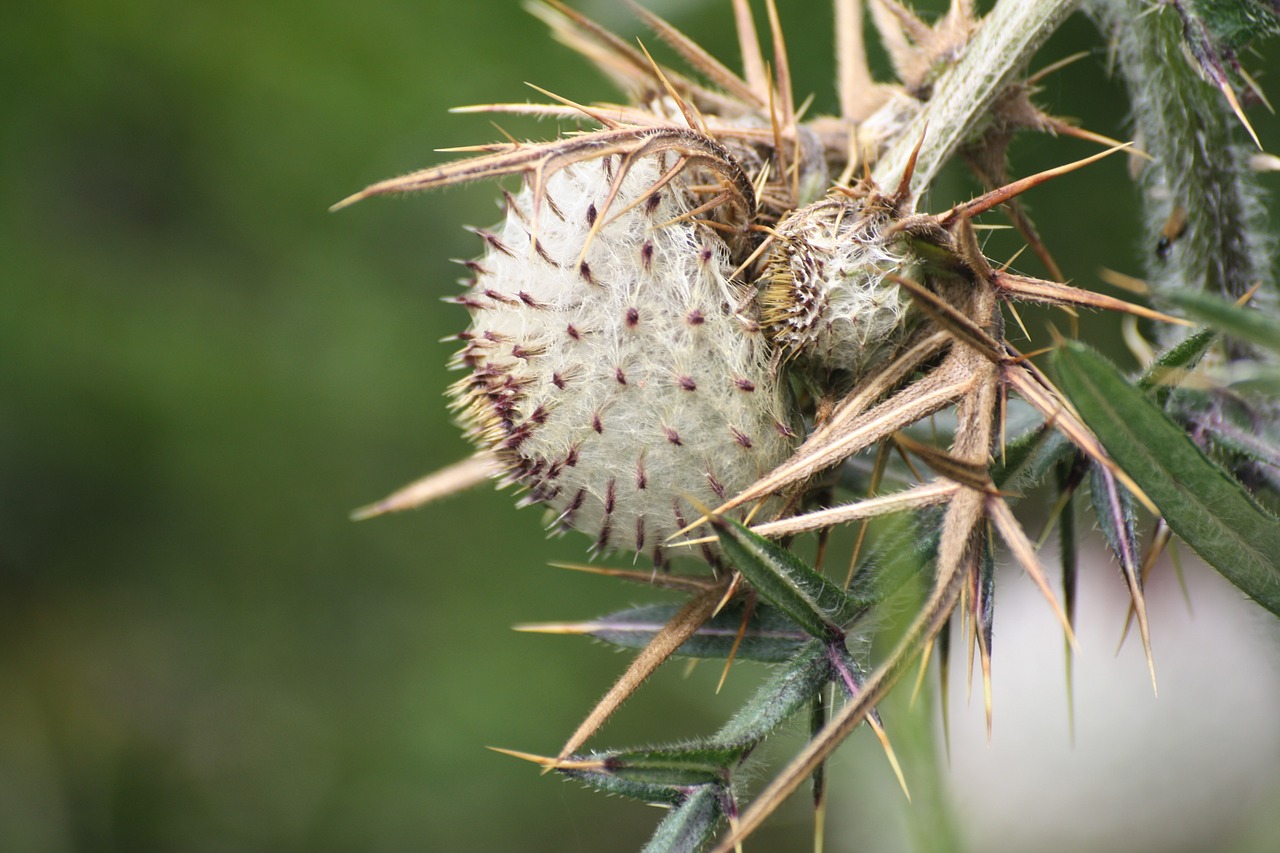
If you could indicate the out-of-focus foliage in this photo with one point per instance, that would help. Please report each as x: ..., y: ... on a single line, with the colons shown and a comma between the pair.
x: 202, y: 371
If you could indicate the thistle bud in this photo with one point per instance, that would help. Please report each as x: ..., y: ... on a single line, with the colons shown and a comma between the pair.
x: 616, y: 371
x: 826, y: 299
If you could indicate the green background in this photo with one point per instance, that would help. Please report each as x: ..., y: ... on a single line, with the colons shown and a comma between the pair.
x: 202, y: 372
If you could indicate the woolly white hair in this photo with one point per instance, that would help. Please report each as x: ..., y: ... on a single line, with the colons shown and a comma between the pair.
x: 622, y: 383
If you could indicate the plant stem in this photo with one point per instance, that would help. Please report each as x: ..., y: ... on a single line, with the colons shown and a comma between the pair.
x: 1012, y: 32
x: 1200, y: 162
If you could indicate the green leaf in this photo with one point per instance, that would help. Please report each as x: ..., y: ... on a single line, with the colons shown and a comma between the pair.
x: 678, y: 766
x: 815, y: 603
x: 818, y: 719
x: 788, y: 689
x: 984, y: 601
x: 1232, y: 24
x: 656, y: 775
x: 770, y: 636
x: 608, y: 783
x: 1113, y: 507
x: 688, y: 827
x: 1203, y: 504
x: 1028, y: 459
x: 1245, y: 324
x: 1183, y: 355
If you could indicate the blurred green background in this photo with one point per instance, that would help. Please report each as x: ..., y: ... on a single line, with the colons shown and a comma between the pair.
x: 202, y: 372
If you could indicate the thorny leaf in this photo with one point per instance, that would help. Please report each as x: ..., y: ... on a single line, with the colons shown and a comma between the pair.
x: 770, y: 636
x: 677, y: 774
x: 1233, y: 24
x: 788, y: 689
x: 1113, y: 508
x: 783, y: 579
x: 690, y: 825
x: 1029, y: 458
x: 962, y: 519
x: 902, y: 553
x: 944, y: 685
x: 1215, y: 30
x: 982, y: 612
x: 959, y: 549
x: 817, y: 719
x: 1036, y: 390
x: 669, y: 767
x: 660, y: 775
x: 848, y: 676
x: 1163, y: 374
x: 1201, y: 502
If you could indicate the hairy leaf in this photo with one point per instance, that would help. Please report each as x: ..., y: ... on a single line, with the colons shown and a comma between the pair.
x: 787, y: 690
x: 770, y: 636
x: 1200, y: 502
x: 1028, y: 459
x: 689, y: 826
x: 1231, y: 24
x: 1161, y: 377
x: 815, y: 603
x: 657, y: 775
x: 1245, y: 324
x: 1113, y: 507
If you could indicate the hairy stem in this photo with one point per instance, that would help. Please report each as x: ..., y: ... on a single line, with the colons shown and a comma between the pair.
x: 962, y: 97
x: 1200, y: 161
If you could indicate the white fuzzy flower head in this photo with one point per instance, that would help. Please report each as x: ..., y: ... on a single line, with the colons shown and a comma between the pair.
x: 622, y: 383
x: 827, y: 301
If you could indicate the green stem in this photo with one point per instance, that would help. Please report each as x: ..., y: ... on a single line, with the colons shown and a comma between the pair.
x: 1200, y: 161
x: 1011, y: 33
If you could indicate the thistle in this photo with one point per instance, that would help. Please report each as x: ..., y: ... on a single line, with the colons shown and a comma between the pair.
x: 695, y: 313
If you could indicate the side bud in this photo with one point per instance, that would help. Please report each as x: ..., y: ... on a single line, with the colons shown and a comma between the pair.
x: 826, y: 300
